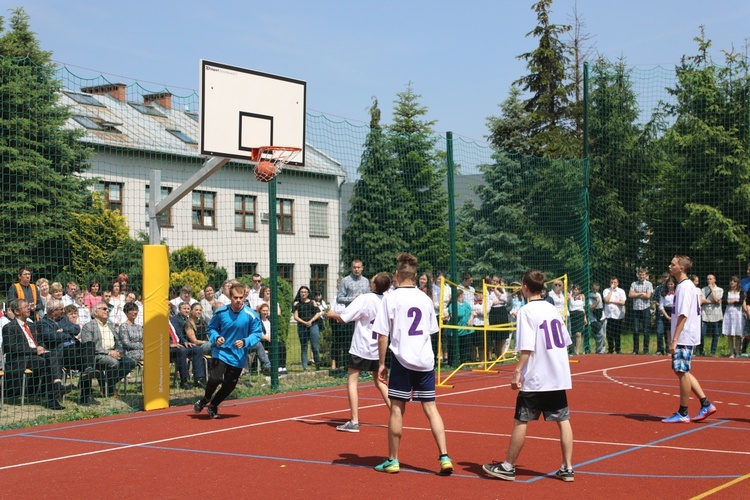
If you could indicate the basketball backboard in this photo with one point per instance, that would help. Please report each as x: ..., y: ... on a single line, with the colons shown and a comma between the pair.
x: 242, y: 109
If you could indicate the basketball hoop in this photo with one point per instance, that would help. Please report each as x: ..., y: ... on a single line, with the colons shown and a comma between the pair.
x: 271, y: 159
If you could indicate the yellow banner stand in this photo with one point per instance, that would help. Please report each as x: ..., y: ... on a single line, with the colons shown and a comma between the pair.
x: 155, y: 327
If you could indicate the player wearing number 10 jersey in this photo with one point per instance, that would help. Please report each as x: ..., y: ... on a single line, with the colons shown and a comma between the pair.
x: 542, y: 375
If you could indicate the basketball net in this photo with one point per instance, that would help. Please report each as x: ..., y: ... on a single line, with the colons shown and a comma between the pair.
x: 271, y: 159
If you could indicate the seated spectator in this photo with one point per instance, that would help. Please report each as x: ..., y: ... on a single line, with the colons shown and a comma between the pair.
x: 70, y: 293
x: 132, y: 298
x: 56, y: 291
x: 23, y: 352
x: 196, y: 329
x: 131, y: 334
x: 108, y: 348
x: 61, y: 337
x: 43, y: 286
x: 208, y: 301
x: 265, y: 341
x: 182, y: 349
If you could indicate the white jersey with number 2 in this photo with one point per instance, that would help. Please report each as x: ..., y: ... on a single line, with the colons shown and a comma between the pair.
x: 408, y: 317
x: 541, y: 330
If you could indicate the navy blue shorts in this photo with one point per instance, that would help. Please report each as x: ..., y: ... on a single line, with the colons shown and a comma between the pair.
x: 405, y: 384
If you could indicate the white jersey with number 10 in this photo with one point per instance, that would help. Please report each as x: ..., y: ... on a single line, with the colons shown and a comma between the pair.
x: 542, y: 331
x: 408, y: 317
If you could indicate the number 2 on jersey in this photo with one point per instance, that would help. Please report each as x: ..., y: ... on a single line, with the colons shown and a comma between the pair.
x: 415, y: 313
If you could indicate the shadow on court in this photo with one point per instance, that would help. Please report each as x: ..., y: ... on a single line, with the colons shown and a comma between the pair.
x: 640, y: 417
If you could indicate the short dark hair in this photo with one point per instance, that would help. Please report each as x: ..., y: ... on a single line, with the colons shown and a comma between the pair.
x: 130, y: 306
x: 382, y: 282
x: 534, y: 280
x: 407, y: 266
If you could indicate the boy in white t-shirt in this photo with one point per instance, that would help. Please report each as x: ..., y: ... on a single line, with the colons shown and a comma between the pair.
x: 363, y: 353
x: 542, y: 375
x: 685, y: 335
x: 408, y: 317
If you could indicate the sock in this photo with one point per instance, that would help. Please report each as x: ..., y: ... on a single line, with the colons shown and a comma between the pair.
x: 705, y: 402
x: 683, y: 411
x: 507, y: 466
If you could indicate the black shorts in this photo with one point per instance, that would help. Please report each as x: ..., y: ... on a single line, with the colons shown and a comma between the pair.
x: 362, y: 364
x: 552, y: 404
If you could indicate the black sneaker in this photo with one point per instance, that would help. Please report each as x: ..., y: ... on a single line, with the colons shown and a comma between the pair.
x: 199, y: 405
x: 497, y: 470
x: 213, y: 411
x: 565, y: 474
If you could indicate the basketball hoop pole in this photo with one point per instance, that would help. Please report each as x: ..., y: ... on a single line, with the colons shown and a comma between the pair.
x: 273, y: 281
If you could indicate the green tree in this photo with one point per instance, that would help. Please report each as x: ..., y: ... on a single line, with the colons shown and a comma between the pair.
x: 549, y: 102
x: 378, y: 213
x: 618, y: 203
x: 422, y: 172
x: 703, y: 207
x: 40, y: 157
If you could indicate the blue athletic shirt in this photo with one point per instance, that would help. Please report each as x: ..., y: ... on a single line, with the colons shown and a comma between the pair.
x: 244, y: 325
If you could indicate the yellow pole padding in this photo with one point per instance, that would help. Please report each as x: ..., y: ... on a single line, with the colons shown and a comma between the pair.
x: 155, y: 327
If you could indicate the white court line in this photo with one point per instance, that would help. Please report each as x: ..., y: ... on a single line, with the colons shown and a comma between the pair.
x: 256, y: 424
x: 557, y: 439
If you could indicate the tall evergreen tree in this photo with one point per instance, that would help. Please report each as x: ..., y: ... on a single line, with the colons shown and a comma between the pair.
x: 549, y: 103
x: 422, y: 172
x: 39, y: 188
x: 618, y: 202
x: 378, y: 215
x: 704, y: 204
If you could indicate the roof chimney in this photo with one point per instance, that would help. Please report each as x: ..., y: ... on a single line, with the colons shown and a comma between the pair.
x: 116, y: 90
x: 163, y: 99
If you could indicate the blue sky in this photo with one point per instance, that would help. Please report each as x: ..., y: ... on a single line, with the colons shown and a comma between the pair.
x: 460, y: 56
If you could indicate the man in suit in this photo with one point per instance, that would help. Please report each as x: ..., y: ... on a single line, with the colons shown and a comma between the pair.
x: 62, y: 337
x: 108, y: 350
x: 180, y: 350
x: 23, y: 352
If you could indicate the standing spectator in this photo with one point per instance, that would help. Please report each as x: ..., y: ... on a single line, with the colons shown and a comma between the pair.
x: 576, y: 306
x: 93, y: 297
x: 208, y: 301
x: 233, y: 329
x: 253, y: 298
x: 306, y: 314
x: 363, y: 353
x: 408, y: 319
x: 596, y: 307
x: 264, y: 310
x: 118, y: 295
x: 56, y: 290
x: 711, y: 314
x: 465, y: 318
x: 745, y: 287
x: 351, y: 287
x: 70, y: 293
x: 641, y: 291
x: 338, y: 333
x: 43, y: 286
x: 83, y: 312
x: 425, y: 283
x: 186, y: 295
x: 543, y: 377
x: 666, y: 303
x: 685, y: 335
x: 745, y: 283
x: 734, y: 318
x: 557, y: 294
x: 614, y: 313
x: 478, y: 337
x: 223, y: 296
x: 25, y: 289
x: 661, y: 326
x: 497, y: 305
x: 109, y: 355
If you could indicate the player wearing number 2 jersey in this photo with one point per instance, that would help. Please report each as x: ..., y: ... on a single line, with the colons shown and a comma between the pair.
x: 542, y: 375
x: 408, y: 317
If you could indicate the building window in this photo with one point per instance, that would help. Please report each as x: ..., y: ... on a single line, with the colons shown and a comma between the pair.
x: 83, y: 99
x: 244, y: 212
x: 111, y: 193
x: 286, y: 272
x: 204, y: 210
x: 182, y: 136
x: 319, y: 279
x: 147, y: 110
x: 285, y: 216
x: 244, y: 269
x: 165, y: 220
x: 319, y: 219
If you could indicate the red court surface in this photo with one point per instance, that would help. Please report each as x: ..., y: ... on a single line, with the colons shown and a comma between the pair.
x: 286, y: 445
